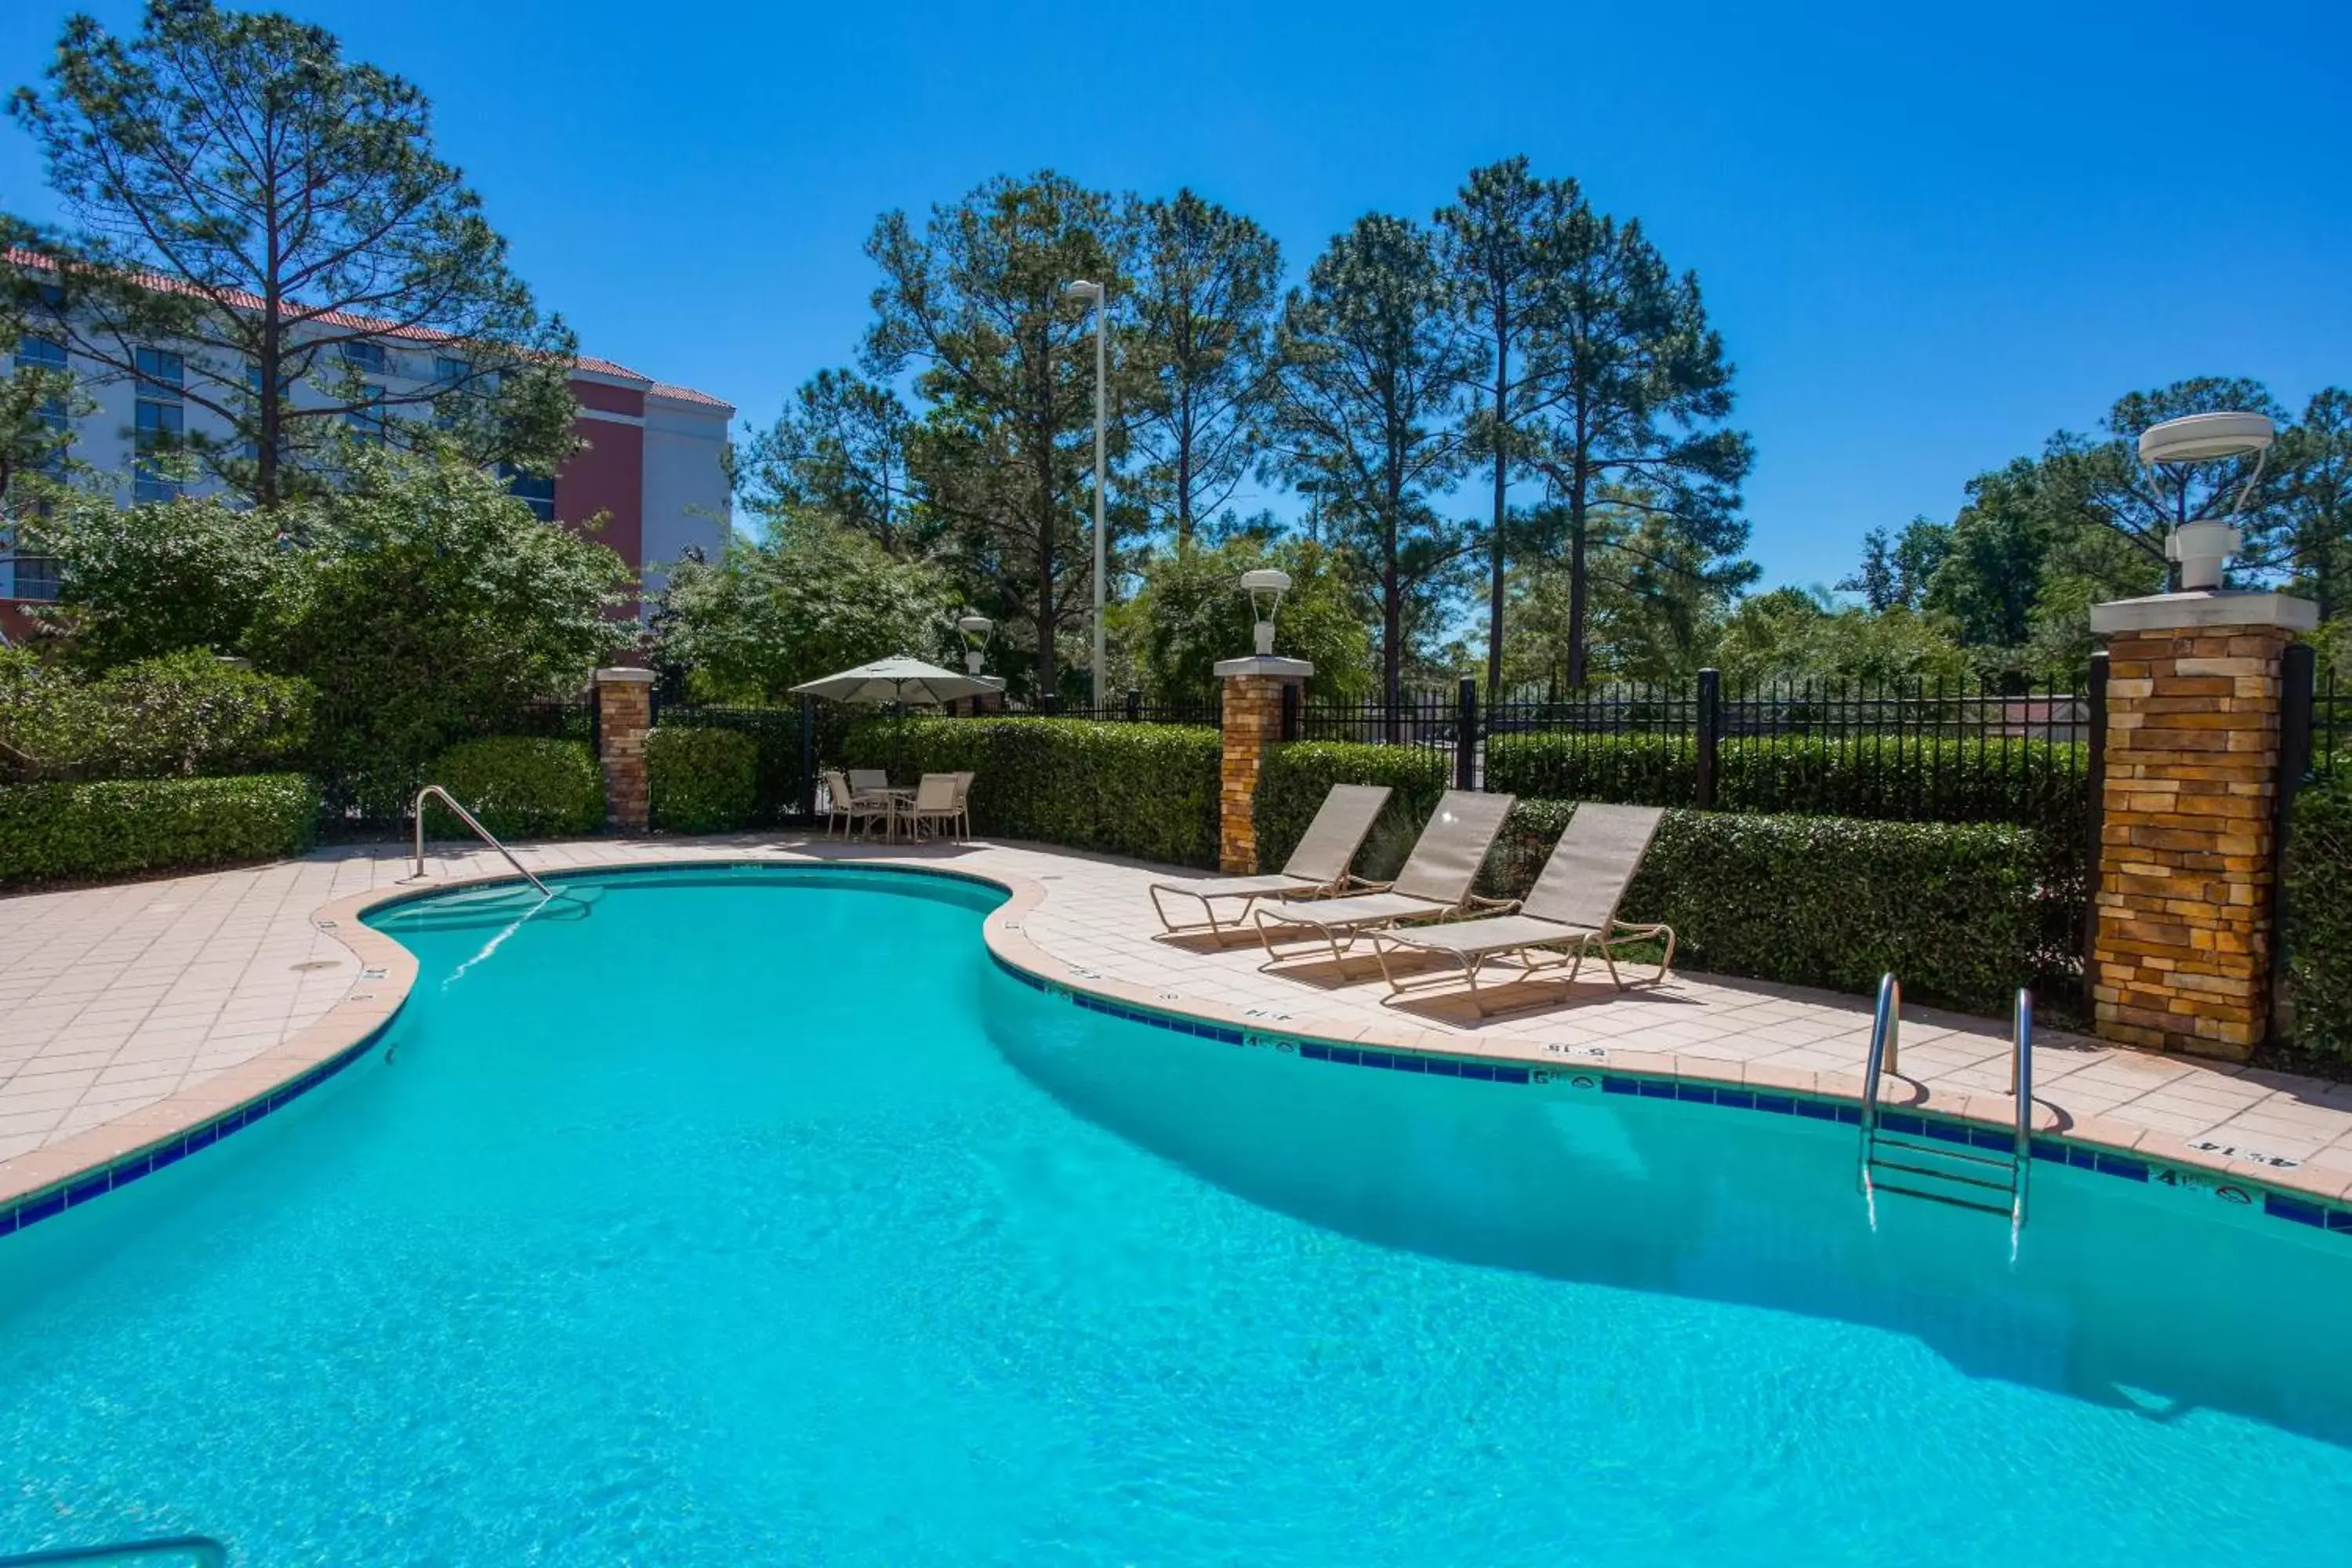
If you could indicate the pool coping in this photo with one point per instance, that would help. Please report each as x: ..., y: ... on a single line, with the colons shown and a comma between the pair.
x: 88, y: 1164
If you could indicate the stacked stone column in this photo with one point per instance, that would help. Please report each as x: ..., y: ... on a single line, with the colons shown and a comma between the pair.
x: 624, y: 711
x: 2183, y: 915
x: 1253, y: 721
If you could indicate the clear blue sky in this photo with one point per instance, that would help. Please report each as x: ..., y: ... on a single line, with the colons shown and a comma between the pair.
x: 1929, y: 235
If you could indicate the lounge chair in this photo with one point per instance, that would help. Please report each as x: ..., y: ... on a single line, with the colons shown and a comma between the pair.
x: 934, y: 802
x: 846, y: 805
x: 1434, y: 884
x: 1571, y: 912
x: 1316, y: 868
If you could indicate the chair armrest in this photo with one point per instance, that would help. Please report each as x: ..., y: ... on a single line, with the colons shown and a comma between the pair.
x: 1498, y: 906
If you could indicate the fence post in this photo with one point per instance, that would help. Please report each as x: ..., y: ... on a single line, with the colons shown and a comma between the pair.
x: 1134, y: 706
x: 2094, y: 788
x: 1252, y: 716
x: 1710, y: 733
x: 2297, y: 686
x: 624, y: 711
x: 1465, y: 735
x: 1290, y: 700
x: 808, y: 756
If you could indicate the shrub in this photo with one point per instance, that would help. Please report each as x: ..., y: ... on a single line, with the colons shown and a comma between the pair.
x: 1952, y: 908
x: 523, y: 787
x: 702, y: 780
x: 180, y: 715
x: 50, y: 832
x: 1297, y: 776
x: 1145, y: 790
x: 2320, y: 916
x: 2034, y: 784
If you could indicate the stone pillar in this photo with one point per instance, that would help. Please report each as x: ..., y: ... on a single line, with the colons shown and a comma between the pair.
x: 624, y: 711
x: 2180, y: 950
x: 1253, y: 721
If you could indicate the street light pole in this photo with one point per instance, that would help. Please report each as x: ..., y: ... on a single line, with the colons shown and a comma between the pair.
x: 1101, y: 298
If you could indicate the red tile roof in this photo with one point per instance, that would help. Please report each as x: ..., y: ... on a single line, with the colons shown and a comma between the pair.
x: 346, y: 320
x: 686, y: 395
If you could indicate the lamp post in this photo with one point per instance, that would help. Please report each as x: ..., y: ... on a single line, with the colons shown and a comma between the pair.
x: 1265, y: 588
x: 1094, y: 293
x: 2203, y: 546
x: 977, y: 629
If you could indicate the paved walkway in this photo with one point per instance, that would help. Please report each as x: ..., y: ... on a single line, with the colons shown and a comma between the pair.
x: 114, y: 999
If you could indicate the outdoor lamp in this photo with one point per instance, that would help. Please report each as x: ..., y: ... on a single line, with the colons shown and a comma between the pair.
x: 2203, y: 546
x: 1265, y: 588
x: 976, y: 629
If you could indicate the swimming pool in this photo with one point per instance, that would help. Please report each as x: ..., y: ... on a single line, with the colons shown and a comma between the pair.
x: 756, y: 1216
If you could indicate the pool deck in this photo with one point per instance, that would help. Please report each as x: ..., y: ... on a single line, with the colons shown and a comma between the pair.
x: 133, y: 1011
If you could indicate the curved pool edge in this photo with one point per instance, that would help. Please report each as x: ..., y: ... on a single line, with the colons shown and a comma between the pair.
x: 88, y: 1164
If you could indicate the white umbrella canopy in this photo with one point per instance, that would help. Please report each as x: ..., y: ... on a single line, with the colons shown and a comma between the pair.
x: 900, y: 680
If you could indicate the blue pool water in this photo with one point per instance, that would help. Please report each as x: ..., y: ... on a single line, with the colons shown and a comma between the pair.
x: 746, y: 1218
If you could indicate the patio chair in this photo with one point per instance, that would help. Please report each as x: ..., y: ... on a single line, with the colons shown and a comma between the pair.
x: 868, y: 781
x: 1571, y: 912
x: 963, y: 802
x: 844, y: 805
x: 1317, y: 868
x: 934, y: 802
x: 1434, y: 884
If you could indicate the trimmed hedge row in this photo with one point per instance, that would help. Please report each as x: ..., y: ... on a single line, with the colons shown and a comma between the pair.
x: 2320, y: 916
x: 1145, y: 790
x: 2034, y: 784
x: 53, y: 832
x: 1297, y: 776
x: 701, y: 779
x: 184, y: 715
x: 1953, y: 909
x: 522, y: 787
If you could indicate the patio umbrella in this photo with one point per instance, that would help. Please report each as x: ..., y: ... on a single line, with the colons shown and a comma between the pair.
x: 900, y: 680
x: 897, y: 681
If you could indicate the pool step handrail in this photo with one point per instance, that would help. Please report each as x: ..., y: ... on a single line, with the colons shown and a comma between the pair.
x: 1967, y: 1175
x: 201, y: 1550
x: 433, y: 790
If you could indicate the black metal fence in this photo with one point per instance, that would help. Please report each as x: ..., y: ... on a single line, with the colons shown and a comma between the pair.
x: 792, y: 742
x: 2331, y: 725
x: 1129, y: 709
x: 1429, y: 719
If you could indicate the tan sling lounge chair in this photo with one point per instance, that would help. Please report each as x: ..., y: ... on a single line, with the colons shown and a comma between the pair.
x: 846, y: 805
x: 1316, y: 868
x: 1572, y: 910
x: 1434, y: 884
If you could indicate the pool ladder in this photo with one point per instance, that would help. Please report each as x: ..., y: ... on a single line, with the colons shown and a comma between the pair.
x: 1974, y: 1174
x: 434, y: 792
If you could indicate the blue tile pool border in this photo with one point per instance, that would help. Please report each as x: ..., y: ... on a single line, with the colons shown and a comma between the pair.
x: 2302, y: 1210
x: 118, y: 1173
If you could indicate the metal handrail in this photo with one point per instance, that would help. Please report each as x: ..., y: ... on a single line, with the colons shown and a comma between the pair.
x: 467, y: 818
x: 1885, y: 1025
x: 2021, y: 1084
x: 201, y: 1550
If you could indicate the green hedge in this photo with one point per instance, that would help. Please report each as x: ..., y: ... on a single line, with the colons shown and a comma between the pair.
x: 1297, y: 776
x: 1145, y: 790
x: 2319, y: 916
x: 185, y: 715
x: 701, y: 779
x: 2034, y: 784
x: 1953, y: 909
x: 521, y: 788
x: 52, y: 832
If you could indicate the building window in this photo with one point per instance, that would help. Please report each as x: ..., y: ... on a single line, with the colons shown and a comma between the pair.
x: 448, y: 377
x: 368, y: 359
x: 35, y: 577
x: 535, y: 491
x: 156, y: 423
x: 47, y: 354
x: 365, y: 422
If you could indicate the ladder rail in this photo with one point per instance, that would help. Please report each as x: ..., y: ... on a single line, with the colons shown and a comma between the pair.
x: 1885, y: 1026
x: 435, y: 791
x: 2020, y: 1085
